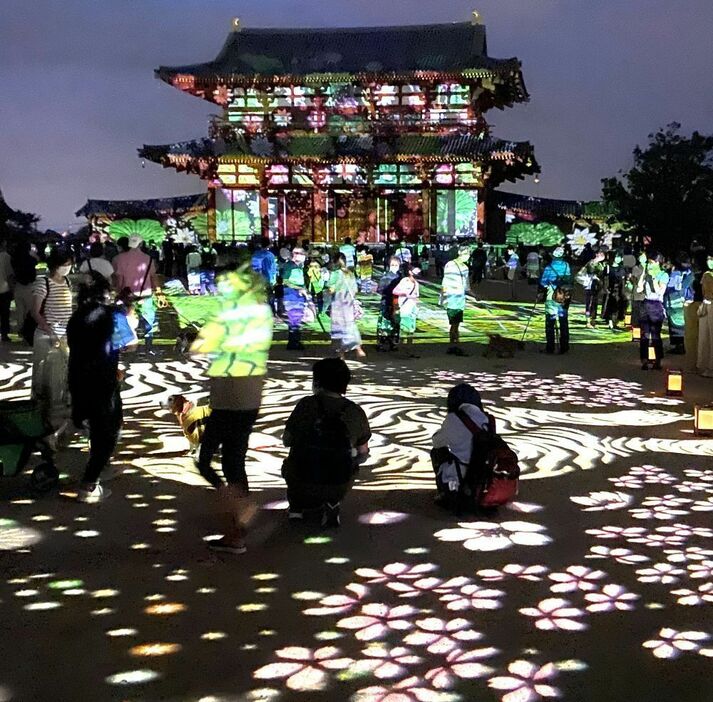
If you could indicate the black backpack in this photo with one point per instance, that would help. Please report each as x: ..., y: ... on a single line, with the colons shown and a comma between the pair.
x: 323, y: 455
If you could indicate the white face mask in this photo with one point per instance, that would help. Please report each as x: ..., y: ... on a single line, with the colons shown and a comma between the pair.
x: 394, y: 267
x: 63, y: 271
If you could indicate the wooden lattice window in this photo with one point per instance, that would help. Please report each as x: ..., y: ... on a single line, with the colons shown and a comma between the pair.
x: 293, y: 96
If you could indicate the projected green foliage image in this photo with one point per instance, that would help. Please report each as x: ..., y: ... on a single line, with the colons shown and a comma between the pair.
x: 149, y: 230
x: 541, y: 234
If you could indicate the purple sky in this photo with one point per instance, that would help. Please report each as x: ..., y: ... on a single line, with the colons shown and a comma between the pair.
x: 79, y: 94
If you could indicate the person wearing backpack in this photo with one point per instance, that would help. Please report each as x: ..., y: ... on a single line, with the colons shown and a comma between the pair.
x: 557, y: 281
x: 328, y: 437
x: 49, y: 314
x: 474, y: 467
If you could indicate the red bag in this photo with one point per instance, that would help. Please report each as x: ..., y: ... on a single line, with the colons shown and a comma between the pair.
x: 499, y: 471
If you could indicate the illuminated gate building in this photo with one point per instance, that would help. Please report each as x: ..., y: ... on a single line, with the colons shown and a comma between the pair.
x: 328, y: 133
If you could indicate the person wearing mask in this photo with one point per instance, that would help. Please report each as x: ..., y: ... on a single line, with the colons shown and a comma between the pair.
x: 135, y: 274
x: 705, y: 322
x: 295, y: 298
x: 403, y: 253
x: 97, y: 263
x: 24, y: 266
x: 328, y: 438
x: 344, y: 309
x: 387, y: 326
x: 615, y: 303
x: 453, y: 291
x: 6, y: 285
x: 407, y: 296
x: 555, y: 280
x: 652, y: 285
x: 94, y: 386
x: 51, y: 310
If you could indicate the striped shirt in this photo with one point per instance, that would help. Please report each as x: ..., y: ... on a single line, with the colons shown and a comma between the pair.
x: 57, y: 303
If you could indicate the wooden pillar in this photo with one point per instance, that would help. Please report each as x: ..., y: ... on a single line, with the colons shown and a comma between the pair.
x: 264, y: 206
x: 211, y: 219
x: 482, y: 219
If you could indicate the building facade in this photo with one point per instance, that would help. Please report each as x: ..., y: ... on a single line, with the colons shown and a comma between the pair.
x: 328, y: 133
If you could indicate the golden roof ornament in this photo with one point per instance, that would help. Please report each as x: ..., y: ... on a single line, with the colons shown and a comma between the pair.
x: 477, y: 18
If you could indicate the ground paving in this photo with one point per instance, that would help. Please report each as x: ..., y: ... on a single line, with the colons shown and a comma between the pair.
x: 597, y: 584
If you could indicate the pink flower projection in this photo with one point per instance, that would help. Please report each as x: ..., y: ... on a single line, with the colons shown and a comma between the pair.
x: 490, y: 536
x: 375, y: 620
x: 603, y: 500
x: 695, y: 598
x: 555, y: 614
x: 473, y: 597
x: 663, y: 573
x: 616, y: 532
x: 672, y: 643
x: 526, y: 682
x: 385, y: 663
x: 340, y: 604
x: 611, y: 597
x: 576, y: 578
x: 460, y: 665
x: 396, y: 571
x: 533, y: 573
x: 412, y: 689
x: 620, y: 555
x: 304, y: 669
x: 702, y: 570
x: 441, y: 636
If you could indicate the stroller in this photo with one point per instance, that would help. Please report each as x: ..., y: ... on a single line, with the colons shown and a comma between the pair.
x: 23, y: 431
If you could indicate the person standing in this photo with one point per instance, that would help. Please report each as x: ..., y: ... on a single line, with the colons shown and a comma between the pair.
x: 135, y: 273
x: 24, y: 266
x: 193, y: 271
x: 693, y: 299
x: 94, y: 377
x: 237, y: 339
x: 591, y: 277
x: 673, y: 304
x: 614, y: 303
x: 209, y: 257
x: 533, y: 267
x: 348, y: 250
x: 556, y: 279
x: 387, y: 326
x: 97, y: 263
x: 705, y: 322
x: 652, y: 285
x: 343, y: 288
x: 453, y: 290
x: 51, y: 310
x: 407, y: 294
x: 478, y: 264
x: 6, y: 285
x: 295, y: 298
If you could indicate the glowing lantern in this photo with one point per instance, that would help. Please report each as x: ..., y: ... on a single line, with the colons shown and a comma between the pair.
x: 636, y: 333
x: 652, y: 353
x: 674, y: 383
x: 704, y: 420
x: 627, y: 320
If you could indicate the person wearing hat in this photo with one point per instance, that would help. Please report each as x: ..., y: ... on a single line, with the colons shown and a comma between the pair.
x: 135, y: 275
x: 295, y: 297
x: 556, y: 279
x: 454, y: 287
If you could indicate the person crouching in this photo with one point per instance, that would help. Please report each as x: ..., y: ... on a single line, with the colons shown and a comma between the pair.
x: 328, y: 437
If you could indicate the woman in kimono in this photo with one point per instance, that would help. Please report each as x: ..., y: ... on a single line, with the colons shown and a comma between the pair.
x: 345, y: 309
x: 407, y: 294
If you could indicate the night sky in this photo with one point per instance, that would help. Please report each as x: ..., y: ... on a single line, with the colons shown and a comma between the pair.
x: 79, y: 96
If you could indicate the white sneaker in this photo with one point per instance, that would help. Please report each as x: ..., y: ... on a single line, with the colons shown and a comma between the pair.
x: 92, y: 494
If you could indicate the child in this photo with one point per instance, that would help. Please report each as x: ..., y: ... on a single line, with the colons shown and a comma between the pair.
x: 406, y: 293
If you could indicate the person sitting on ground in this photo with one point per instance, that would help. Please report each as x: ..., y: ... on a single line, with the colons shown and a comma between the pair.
x: 328, y: 437
x: 451, y: 455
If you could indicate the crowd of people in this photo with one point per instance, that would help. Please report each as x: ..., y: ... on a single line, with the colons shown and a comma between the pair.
x: 77, y: 336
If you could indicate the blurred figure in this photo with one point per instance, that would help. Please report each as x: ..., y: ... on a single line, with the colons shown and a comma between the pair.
x: 24, y: 266
x: 97, y: 263
x: 556, y: 281
x: 7, y: 279
x: 652, y: 285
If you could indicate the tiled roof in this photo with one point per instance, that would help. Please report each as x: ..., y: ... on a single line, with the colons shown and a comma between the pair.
x: 137, y: 209
x: 296, y: 52
x: 365, y: 147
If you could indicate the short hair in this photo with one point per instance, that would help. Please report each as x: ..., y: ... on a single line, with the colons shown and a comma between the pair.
x: 331, y: 374
x: 96, y: 249
x: 463, y: 394
x: 57, y: 257
x: 95, y: 289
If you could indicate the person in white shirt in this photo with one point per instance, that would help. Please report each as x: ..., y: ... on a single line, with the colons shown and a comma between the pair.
x: 652, y: 285
x: 453, y: 442
x: 97, y: 263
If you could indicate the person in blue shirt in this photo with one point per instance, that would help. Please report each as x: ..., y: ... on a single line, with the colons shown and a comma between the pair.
x: 264, y: 263
x: 556, y: 280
